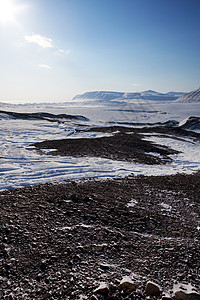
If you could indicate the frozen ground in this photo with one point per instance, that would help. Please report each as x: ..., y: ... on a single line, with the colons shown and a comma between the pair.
x: 20, y: 167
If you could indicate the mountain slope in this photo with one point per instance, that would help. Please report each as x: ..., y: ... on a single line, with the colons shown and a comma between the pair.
x: 99, y: 95
x: 193, y: 96
x: 190, y: 123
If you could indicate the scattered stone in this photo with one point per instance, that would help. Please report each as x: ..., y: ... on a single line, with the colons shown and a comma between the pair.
x: 38, y: 277
x: 45, y: 296
x: 99, y: 247
x: 62, y: 252
x: 74, y: 198
x: 43, y: 266
x: 87, y: 199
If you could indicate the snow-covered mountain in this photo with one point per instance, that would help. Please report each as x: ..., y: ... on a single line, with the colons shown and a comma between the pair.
x: 146, y: 95
x: 193, y: 96
x: 99, y: 95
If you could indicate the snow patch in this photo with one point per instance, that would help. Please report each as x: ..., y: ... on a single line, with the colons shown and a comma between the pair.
x: 166, y: 206
x: 186, y: 288
x: 102, y: 285
x: 126, y: 279
x: 132, y: 203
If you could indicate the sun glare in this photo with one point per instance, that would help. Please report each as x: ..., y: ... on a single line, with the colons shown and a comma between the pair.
x: 8, y: 11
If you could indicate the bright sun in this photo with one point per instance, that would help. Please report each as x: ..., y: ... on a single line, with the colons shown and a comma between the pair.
x: 8, y: 10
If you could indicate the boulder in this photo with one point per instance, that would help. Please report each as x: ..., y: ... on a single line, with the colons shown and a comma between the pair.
x: 103, y: 290
x: 152, y: 289
x: 180, y: 295
x: 127, y: 287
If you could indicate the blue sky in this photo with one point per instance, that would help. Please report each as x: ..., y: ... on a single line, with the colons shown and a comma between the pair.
x: 52, y: 50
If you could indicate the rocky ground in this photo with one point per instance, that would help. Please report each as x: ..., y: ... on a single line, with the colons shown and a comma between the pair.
x: 104, y: 239
x: 99, y: 239
x: 124, y: 143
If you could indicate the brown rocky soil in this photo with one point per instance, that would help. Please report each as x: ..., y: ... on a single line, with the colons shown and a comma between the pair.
x: 60, y: 241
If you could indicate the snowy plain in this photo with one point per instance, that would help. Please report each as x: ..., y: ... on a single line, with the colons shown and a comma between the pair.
x: 21, y: 165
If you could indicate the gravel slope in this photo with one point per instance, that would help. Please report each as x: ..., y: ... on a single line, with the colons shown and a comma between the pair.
x: 59, y: 241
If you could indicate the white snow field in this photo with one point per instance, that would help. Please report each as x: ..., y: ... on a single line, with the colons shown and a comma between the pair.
x: 20, y: 166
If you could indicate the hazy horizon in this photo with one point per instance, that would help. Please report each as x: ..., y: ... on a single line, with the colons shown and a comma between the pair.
x: 42, y: 101
x: 52, y: 51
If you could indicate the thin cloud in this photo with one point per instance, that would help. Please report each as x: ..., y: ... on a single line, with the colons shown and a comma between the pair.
x: 40, y: 40
x: 45, y: 67
x: 45, y: 42
x: 135, y: 84
x: 61, y: 52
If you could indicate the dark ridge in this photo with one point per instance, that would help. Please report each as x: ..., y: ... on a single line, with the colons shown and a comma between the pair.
x: 170, y: 123
x: 163, y: 128
x: 43, y: 116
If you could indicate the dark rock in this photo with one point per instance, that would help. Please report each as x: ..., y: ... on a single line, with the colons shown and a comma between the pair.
x: 74, y: 198
x: 45, y: 296
x: 104, y: 267
x: 47, y: 280
x: 102, y: 290
x: 38, y: 277
x: 87, y: 199
x: 127, y: 287
x: 152, y: 289
x: 43, y: 266
x: 3, y: 252
x: 180, y: 295
x: 93, y: 297
x: 8, y: 267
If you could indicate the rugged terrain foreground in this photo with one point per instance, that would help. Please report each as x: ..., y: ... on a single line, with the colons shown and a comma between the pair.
x: 64, y: 240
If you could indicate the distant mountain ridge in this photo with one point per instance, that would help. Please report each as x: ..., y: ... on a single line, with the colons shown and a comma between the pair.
x: 193, y: 96
x: 146, y: 95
